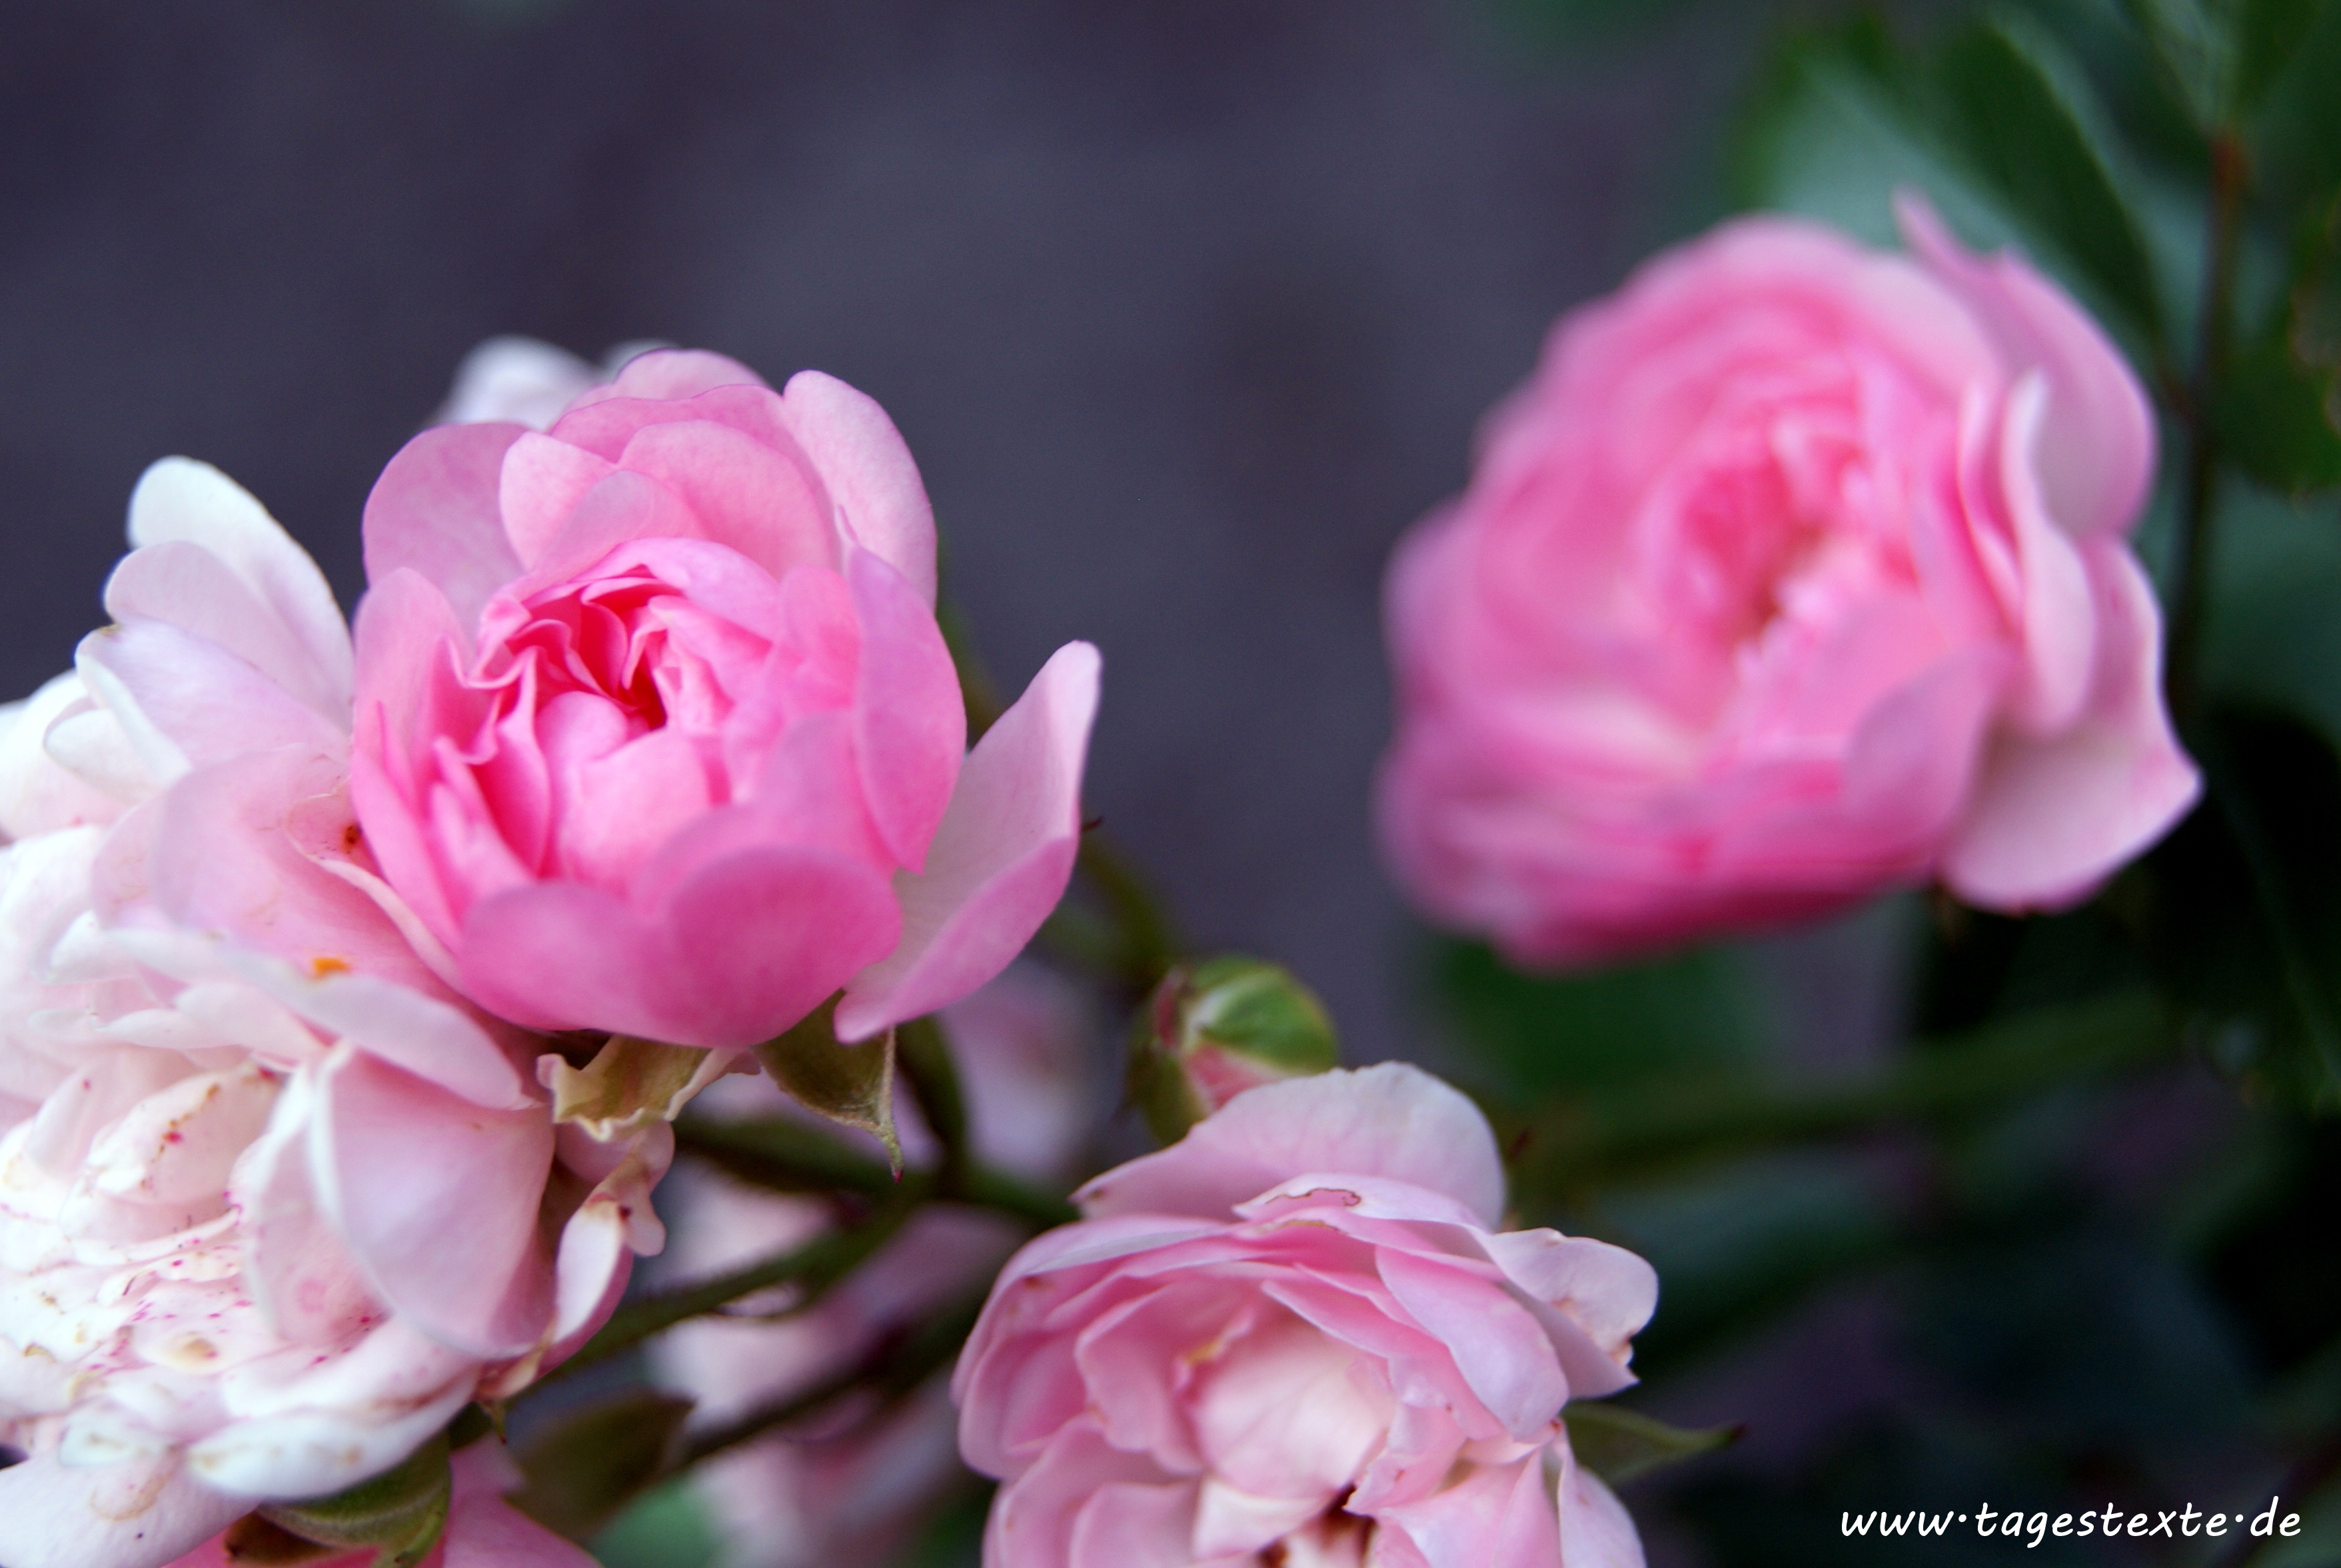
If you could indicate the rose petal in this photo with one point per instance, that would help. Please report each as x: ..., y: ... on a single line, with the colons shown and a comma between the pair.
x: 868, y: 468
x: 435, y: 512
x: 1391, y: 1120
x: 999, y: 860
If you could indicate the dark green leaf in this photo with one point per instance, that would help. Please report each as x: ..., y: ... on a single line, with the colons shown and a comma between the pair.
x: 584, y: 1469
x: 1618, y: 1445
x: 2271, y: 640
x: 2277, y: 418
x: 1689, y: 1119
x: 2246, y: 919
x: 2269, y: 38
x: 2196, y: 40
x: 670, y: 1526
x: 2025, y: 114
x: 853, y: 1085
x: 2294, y: 133
x: 252, y: 1540
x: 399, y: 1514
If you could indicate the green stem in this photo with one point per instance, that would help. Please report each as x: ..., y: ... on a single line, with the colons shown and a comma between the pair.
x: 811, y: 1268
x: 1681, y: 1123
x: 2198, y: 498
x: 785, y: 1155
x: 924, y: 1056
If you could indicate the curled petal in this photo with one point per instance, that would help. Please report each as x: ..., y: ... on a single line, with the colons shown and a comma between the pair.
x: 133, y: 1514
x: 434, y: 512
x: 999, y: 860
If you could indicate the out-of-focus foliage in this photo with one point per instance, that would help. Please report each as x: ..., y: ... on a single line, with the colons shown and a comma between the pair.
x: 2068, y: 1243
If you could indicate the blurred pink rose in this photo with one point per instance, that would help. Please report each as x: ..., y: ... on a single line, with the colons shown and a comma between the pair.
x: 274, y: 1202
x: 656, y: 732
x: 1798, y: 571
x: 1298, y: 1332
x: 482, y: 1530
x: 850, y: 1488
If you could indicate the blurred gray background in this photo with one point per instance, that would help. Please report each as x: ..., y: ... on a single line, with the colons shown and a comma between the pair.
x: 1187, y: 307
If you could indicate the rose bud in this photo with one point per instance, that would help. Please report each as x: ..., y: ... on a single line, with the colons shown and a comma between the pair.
x: 1214, y: 1029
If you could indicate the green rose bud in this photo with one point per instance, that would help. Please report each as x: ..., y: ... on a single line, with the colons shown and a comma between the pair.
x: 1218, y: 1027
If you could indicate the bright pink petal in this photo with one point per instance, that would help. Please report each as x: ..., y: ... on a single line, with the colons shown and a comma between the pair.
x: 1391, y: 1120
x: 538, y: 485
x: 2097, y: 443
x: 867, y: 466
x: 2054, y: 816
x: 911, y: 724
x: 757, y: 499
x: 671, y: 372
x: 179, y: 499
x: 2058, y: 619
x: 434, y: 510
x: 133, y: 1514
x: 744, y: 948
x: 438, y: 1199
x: 408, y: 641
x: 999, y: 860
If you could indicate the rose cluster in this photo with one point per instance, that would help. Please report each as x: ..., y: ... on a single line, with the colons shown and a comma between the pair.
x: 1797, y: 572
x: 647, y: 729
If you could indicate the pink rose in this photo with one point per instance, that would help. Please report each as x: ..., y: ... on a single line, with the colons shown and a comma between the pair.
x: 482, y: 1530
x: 1797, y: 572
x: 274, y: 1202
x: 849, y: 1488
x: 1298, y: 1332
x: 656, y: 732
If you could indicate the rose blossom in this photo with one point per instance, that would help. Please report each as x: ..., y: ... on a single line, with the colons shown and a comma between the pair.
x: 1796, y: 572
x: 656, y: 731
x: 275, y: 1203
x: 849, y: 1488
x: 1297, y: 1334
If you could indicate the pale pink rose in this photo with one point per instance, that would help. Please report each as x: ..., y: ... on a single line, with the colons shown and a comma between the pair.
x: 1298, y: 1336
x: 482, y: 1530
x: 656, y: 731
x: 1798, y: 571
x: 274, y: 1202
x: 851, y: 1488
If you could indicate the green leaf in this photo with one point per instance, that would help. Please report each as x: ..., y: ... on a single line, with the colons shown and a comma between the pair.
x: 926, y: 1062
x: 2245, y: 918
x: 630, y: 1084
x: 2025, y: 114
x: 2279, y: 419
x: 400, y: 1512
x: 2195, y: 41
x: 1539, y: 1035
x: 1843, y: 124
x: 1618, y: 1445
x: 1687, y: 1119
x: 853, y: 1085
x: 2269, y: 38
x: 669, y: 1526
x: 2294, y: 135
x: 2271, y: 640
x: 584, y: 1469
